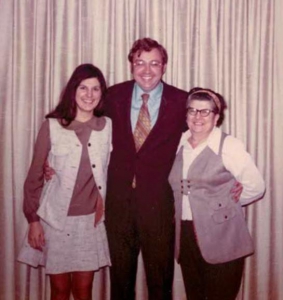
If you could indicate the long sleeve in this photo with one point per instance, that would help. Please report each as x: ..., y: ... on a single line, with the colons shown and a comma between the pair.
x: 35, y: 179
x: 240, y: 163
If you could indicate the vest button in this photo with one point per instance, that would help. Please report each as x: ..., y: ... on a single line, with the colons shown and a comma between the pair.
x: 99, y: 187
x: 93, y: 165
x: 89, y: 144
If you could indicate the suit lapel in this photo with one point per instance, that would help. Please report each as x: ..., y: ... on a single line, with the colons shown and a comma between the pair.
x: 165, y: 108
x: 124, y: 110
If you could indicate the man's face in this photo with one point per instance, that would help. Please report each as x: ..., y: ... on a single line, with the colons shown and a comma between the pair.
x: 147, y: 69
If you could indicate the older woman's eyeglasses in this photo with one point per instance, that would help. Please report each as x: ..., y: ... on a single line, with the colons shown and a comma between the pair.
x: 203, y: 112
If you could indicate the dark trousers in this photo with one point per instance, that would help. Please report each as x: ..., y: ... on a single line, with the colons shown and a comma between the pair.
x: 125, y: 242
x: 204, y: 281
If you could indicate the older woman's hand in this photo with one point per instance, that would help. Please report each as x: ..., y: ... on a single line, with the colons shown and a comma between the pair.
x: 236, y: 191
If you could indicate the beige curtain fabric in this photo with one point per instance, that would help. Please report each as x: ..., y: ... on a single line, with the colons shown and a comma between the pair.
x: 234, y: 47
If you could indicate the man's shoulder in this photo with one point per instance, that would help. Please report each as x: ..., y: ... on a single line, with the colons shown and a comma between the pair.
x: 117, y: 94
x: 122, y: 86
x: 170, y: 89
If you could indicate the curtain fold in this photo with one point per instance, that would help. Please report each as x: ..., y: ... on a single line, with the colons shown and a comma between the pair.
x: 233, y: 47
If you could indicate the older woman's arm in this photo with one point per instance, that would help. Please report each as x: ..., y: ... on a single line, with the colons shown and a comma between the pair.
x: 240, y: 163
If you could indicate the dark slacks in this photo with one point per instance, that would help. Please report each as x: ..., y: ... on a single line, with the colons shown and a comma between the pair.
x: 127, y: 241
x: 204, y: 281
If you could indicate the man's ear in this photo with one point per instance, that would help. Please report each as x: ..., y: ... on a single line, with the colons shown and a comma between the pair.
x: 164, y: 68
x: 131, y: 68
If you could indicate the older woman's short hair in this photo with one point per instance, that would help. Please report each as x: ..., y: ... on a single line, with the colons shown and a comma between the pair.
x: 204, y: 94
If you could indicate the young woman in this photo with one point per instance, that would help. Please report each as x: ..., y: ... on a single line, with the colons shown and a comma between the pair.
x: 211, y: 234
x: 66, y: 215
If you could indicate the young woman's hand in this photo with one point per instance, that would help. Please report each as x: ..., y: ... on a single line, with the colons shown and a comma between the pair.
x: 36, y: 236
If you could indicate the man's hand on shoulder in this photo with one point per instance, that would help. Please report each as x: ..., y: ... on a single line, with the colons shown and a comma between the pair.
x: 236, y: 191
x: 48, y: 172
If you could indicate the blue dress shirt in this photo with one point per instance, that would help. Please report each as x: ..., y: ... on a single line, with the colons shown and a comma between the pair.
x: 153, y: 104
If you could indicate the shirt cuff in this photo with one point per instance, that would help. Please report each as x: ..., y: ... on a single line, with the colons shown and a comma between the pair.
x: 33, y: 218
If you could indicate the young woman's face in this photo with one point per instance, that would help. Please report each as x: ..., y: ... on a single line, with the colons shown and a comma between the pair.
x: 88, y: 95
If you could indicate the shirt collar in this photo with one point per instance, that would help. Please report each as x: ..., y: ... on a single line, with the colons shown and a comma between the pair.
x: 213, y: 140
x: 154, y: 94
x: 94, y: 123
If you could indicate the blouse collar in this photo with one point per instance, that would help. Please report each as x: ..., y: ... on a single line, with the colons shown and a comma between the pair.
x: 95, y: 123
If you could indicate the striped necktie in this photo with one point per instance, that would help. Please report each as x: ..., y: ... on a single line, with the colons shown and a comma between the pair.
x: 142, y: 127
x: 143, y: 123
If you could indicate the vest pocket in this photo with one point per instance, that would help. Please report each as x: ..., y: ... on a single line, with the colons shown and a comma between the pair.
x: 60, y: 154
x: 224, y: 215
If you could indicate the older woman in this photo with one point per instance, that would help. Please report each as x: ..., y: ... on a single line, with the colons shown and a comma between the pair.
x: 212, y: 238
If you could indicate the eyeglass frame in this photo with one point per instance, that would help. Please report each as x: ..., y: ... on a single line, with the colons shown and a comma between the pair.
x: 155, y: 64
x: 205, y: 112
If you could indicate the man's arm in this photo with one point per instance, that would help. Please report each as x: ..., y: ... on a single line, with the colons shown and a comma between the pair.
x: 48, y: 172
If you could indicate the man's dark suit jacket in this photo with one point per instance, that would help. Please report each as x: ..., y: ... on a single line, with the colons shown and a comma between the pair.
x: 151, y: 164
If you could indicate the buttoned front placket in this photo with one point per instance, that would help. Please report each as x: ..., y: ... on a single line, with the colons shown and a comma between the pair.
x: 185, y: 186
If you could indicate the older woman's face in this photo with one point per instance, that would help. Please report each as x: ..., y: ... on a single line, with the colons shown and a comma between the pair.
x: 199, y: 124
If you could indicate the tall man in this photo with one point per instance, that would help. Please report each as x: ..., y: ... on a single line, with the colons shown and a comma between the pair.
x: 139, y: 204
